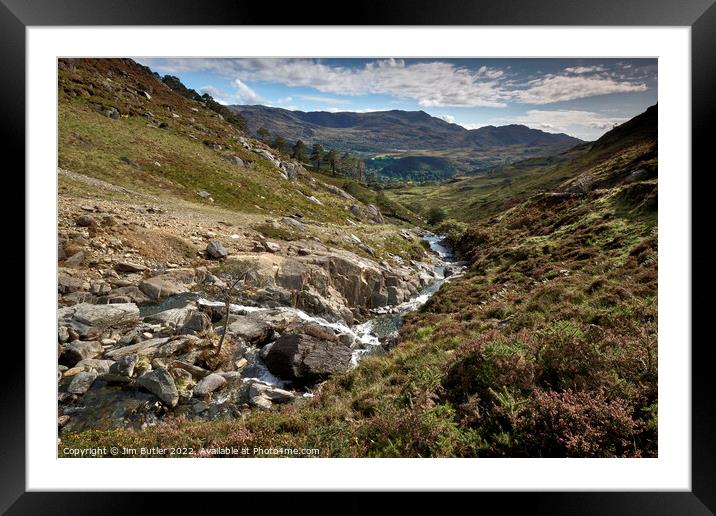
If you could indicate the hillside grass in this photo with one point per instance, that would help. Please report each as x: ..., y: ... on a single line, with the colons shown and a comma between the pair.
x: 546, y: 347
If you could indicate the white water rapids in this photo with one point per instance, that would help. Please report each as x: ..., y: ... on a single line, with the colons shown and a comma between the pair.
x: 365, y: 335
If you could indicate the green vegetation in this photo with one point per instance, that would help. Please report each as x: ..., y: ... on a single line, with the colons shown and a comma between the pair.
x: 545, y: 347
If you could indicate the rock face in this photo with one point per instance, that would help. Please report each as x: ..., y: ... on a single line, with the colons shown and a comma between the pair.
x: 160, y: 383
x: 90, y: 320
x: 306, y: 360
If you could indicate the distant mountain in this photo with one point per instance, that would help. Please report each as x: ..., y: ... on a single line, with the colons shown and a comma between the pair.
x: 626, y: 155
x: 403, y: 133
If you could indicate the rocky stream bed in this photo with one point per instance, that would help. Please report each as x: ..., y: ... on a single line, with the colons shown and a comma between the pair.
x: 129, y: 364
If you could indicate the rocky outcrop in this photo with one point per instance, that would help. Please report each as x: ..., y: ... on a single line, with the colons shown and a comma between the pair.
x: 186, y: 320
x: 306, y: 360
x: 368, y: 212
x: 88, y: 319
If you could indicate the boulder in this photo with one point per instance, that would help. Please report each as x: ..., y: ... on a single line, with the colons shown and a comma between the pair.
x: 183, y: 320
x: 89, y: 319
x: 67, y: 284
x: 209, y: 384
x: 306, y: 360
x: 128, y: 294
x: 75, y: 260
x: 82, y: 382
x: 79, y: 350
x: 338, y: 191
x: 124, y: 366
x: 147, y: 347
x: 294, y: 224
x: 216, y: 250
x: 86, y: 221
x: 93, y: 364
x: 253, y: 331
x: 160, y: 383
x: 274, y: 394
x: 129, y: 267
x: 161, y: 286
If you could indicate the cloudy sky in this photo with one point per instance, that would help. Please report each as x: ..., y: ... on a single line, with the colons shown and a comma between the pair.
x: 581, y: 97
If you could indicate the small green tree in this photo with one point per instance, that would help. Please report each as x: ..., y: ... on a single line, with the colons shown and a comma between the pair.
x: 436, y: 215
x: 263, y: 133
x: 279, y: 143
x: 317, y: 155
x: 299, y: 152
x: 332, y: 160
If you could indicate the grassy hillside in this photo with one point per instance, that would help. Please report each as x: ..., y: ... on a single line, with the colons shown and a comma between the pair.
x: 629, y: 147
x: 168, y: 145
x: 546, y: 347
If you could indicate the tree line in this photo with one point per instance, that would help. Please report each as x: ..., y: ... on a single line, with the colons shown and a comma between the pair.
x: 344, y: 164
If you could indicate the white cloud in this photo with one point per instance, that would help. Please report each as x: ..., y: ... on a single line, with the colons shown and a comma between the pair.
x: 324, y: 100
x: 448, y: 118
x: 585, y: 69
x: 242, y: 95
x: 559, y: 88
x: 429, y: 83
x: 246, y: 94
x: 583, y: 124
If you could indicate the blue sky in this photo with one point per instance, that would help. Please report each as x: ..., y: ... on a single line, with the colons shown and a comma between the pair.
x: 581, y: 97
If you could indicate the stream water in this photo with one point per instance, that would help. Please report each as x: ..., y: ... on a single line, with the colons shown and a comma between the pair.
x: 368, y: 335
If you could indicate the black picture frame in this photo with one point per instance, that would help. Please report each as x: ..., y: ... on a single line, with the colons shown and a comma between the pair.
x: 700, y: 15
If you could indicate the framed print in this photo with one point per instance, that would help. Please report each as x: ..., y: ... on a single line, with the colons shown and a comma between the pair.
x: 420, y: 252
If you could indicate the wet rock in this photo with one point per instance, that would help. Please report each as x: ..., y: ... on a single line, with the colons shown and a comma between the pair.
x: 313, y: 330
x: 82, y: 382
x: 306, y: 360
x: 160, y: 383
x: 274, y: 394
x: 209, y: 384
x: 216, y: 250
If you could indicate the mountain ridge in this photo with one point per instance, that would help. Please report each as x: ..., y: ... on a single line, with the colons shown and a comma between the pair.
x: 399, y: 132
